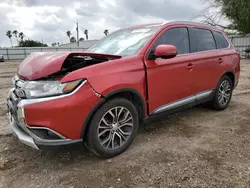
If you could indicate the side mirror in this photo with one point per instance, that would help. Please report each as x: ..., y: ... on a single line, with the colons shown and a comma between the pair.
x: 165, y: 51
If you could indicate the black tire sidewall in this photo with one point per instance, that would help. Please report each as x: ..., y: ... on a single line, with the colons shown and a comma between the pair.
x: 215, y: 101
x: 92, y: 137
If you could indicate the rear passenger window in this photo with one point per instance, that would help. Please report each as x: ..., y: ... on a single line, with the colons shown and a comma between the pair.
x: 201, y: 40
x: 221, y: 42
x: 177, y: 37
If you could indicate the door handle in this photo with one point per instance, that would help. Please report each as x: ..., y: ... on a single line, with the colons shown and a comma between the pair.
x: 220, y: 60
x: 190, y: 66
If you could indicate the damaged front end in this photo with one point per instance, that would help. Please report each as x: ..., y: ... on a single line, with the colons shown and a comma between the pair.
x: 39, y: 75
x: 78, y: 61
x: 50, y: 66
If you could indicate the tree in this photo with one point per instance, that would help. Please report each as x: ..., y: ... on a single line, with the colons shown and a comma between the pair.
x: 68, y: 34
x: 236, y: 11
x: 58, y: 43
x: 31, y: 43
x: 106, y: 32
x: 81, y: 39
x: 15, y: 32
x: 72, y: 39
x: 8, y: 34
x: 21, y: 36
x: 53, y: 44
x: 86, y: 34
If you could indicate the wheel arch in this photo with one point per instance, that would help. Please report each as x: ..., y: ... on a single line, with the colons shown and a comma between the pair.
x: 131, y: 94
x: 231, y: 75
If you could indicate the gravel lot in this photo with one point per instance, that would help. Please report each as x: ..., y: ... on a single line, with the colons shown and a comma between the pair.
x: 196, y: 148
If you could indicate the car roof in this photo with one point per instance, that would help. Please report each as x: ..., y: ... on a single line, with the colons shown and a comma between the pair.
x: 183, y: 23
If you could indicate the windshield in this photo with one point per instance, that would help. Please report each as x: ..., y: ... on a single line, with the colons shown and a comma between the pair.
x: 125, y: 42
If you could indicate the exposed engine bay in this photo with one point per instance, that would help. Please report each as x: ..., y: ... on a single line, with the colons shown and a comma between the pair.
x: 76, y: 61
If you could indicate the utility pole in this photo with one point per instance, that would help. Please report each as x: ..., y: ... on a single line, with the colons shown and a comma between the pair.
x: 77, y: 34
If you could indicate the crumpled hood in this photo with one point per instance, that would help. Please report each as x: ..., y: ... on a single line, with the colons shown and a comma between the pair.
x: 40, y: 64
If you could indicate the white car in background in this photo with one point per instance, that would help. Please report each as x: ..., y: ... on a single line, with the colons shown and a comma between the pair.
x: 1, y: 58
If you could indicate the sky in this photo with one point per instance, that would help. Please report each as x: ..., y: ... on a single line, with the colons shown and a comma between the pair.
x: 49, y: 20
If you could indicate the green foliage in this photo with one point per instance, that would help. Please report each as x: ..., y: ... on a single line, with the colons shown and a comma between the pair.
x: 238, y: 11
x: 72, y: 39
x: 21, y: 36
x: 31, y: 43
x: 68, y: 34
x: 106, y: 32
x: 86, y: 33
x: 81, y: 39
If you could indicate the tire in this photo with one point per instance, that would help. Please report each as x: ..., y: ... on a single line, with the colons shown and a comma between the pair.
x: 108, y: 136
x: 223, y: 94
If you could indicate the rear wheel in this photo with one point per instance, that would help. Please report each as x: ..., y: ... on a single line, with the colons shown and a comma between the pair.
x: 223, y: 94
x: 113, y: 128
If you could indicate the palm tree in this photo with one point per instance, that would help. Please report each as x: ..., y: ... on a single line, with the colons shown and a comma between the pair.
x: 72, y: 39
x: 81, y: 39
x: 15, y: 32
x: 68, y: 34
x: 21, y: 36
x: 8, y: 34
x: 106, y: 32
x: 58, y: 43
x: 86, y: 33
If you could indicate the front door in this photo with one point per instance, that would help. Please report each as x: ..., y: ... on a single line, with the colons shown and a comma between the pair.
x: 170, y: 80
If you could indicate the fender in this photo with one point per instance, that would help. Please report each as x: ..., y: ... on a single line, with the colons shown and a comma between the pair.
x: 225, y: 73
x: 105, y: 99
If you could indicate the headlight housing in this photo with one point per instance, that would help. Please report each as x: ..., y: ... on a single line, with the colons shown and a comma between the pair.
x: 36, y: 89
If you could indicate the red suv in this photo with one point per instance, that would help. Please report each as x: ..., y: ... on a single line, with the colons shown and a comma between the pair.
x: 99, y: 97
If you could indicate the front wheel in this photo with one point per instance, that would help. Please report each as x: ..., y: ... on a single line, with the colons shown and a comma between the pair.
x: 113, y: 128
x: 223, y: 93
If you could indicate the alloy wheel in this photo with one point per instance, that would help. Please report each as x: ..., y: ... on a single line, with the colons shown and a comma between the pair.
x: 224, y: 93
x: 115, y: 128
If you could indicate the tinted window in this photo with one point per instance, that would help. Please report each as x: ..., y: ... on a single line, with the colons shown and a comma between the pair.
x: 201, y: 40
x: 177, y: 37
x: 220, y: 40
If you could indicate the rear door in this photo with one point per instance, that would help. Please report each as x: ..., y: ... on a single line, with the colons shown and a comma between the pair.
x: 207, y: 60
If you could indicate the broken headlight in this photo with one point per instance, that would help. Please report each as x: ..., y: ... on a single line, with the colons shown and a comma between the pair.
x: 36, y: 89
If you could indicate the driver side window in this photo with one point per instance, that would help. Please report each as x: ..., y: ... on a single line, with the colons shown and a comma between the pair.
x: 177, y: 37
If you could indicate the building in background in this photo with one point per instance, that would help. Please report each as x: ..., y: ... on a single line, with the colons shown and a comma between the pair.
x: 241, y: 43
x: 82, y: 44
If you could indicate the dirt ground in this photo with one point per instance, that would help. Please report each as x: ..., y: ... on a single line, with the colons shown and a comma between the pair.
x: 196, y: 148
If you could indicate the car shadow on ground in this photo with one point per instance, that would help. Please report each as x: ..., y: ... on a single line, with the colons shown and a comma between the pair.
x: 79, y: 152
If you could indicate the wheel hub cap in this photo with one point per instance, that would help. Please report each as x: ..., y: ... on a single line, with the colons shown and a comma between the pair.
x: 115, y: 127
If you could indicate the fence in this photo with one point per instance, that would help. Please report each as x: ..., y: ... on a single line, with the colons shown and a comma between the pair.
x: 241, y: 43
x: 20, y: 53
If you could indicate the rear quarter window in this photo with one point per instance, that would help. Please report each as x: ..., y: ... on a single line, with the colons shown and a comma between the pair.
x: 221, y: 42
x: 201, y: 40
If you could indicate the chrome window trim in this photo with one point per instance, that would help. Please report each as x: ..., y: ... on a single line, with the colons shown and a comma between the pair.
x: 204, y: 51
x: 182, y: 102
x: 230, y: 45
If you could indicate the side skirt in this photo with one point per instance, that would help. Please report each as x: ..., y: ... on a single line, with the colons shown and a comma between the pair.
x: 167, y: 113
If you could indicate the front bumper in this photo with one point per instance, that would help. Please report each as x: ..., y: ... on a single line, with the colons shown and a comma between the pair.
x: 30, y: 140
x: 21, y: 135
x: 63, y: 116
